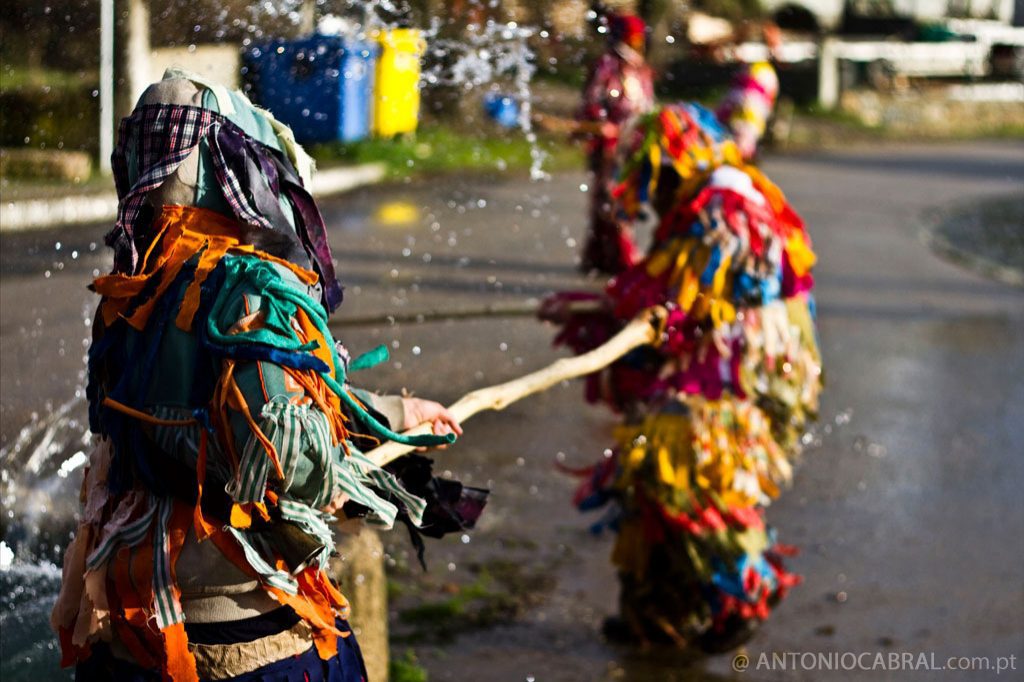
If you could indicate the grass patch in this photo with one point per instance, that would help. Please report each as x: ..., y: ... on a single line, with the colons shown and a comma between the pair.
x: 406, y: 669
x: 838, y: 116
x: 440, y: 148
x: 16, y: 77
x: 500, y: 592
x: 474, y: 604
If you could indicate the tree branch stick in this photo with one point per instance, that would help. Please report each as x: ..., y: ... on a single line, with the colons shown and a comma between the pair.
x: 642, y: 330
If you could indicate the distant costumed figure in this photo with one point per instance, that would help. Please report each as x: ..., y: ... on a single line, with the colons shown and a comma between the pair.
x: 713, y: 414
x: 620, y: 85
x: 228, y: 440
x: 748, y: 105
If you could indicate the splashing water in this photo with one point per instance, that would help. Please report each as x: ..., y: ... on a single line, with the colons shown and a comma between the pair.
x: 40, y: 474
x: 485, y: 55
x: 39, y: 480
x: 482, y: 58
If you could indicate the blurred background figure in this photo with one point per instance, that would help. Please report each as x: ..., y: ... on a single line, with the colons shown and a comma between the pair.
x: 747, y: 107
x: 620, y: 85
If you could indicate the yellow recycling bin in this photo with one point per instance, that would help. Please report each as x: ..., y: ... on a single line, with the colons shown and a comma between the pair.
x: 396, y: 103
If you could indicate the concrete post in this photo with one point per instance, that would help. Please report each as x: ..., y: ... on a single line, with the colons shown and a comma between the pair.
x: 133, y: 53
x: 360, y: 574
x: 828, y: 74
x: 107, y: 124
x: 307, y: 18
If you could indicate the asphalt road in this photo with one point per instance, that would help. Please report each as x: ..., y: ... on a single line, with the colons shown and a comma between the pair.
x: 907, y: 507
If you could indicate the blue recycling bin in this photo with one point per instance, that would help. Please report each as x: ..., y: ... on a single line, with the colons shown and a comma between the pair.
x: 502, y: 108
x: 321, y: 86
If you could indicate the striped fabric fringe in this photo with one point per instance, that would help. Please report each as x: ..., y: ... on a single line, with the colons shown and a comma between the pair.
x: 300, y: 432
x: 369, y: 473
x: 122, y: 530
x: 166, y: 602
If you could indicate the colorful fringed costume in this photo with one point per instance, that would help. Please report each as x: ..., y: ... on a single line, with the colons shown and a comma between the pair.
x: 227, y: 436
x: 714, y: 413
x: 748, y: 105
x: 620, y: 85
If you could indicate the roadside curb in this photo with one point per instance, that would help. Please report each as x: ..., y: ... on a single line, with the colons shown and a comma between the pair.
x: 32, y: 214
x: 983, y: 266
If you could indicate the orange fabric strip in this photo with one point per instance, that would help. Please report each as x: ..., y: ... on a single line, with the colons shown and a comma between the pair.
x: 211, y: 255
x: 182, y: 232
x: 180, y: 664
x: 202, y: 527
x: 143, y: 416
x: 128, y: 619
x: 219, y: 411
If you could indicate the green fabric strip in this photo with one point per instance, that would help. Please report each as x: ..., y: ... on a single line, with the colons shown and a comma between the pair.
x: 370, y: 358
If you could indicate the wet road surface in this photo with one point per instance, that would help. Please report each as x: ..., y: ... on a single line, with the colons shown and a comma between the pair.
x: 907, y: 505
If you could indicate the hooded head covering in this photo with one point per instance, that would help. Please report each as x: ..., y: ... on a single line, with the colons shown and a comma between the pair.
x: 191, y: 142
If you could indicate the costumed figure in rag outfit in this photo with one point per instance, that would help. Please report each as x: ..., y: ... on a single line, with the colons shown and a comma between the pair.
x: 747, y: 107
x: 712, y: 415
x: 619, y: 86
x: 227, y: 437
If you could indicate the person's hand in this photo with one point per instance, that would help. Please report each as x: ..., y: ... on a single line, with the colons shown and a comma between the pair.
x: 609, y: 130
x: 419, y: 411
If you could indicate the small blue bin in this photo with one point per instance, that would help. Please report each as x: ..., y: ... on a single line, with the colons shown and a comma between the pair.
x: 504, y: 109
x: 322, y: 86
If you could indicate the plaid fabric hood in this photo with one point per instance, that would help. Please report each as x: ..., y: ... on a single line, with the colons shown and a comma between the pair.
x: 256, y: 184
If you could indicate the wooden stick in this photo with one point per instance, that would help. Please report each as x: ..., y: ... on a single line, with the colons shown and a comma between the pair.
x: 565, y: 125
x: 525, y: 308
x: 642, y: 330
